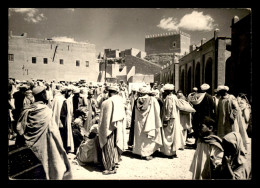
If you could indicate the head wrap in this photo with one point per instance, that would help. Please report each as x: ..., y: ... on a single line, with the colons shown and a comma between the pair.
x: 204, y: 87
x: 222, y: 87
x: 195, y: 89
x: 37, y: 89
x: 143, y: 90
x: 168, y: 87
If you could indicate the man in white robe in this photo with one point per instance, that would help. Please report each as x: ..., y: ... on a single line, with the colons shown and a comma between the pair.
x: 147, y: 125
x: 172, y: 130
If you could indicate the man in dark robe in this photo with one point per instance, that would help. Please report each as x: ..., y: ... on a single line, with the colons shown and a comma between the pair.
x: 204, y: 105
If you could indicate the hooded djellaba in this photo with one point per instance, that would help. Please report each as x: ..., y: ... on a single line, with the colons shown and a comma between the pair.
x: 204, y: 105
x: 235, y: 163
x: 145, y: 130
x: 42, y: 136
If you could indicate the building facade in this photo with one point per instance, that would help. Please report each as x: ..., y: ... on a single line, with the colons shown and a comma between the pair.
x: 174, y: 42
x: 130, y: 68
x: 162, y: 48
x: 204, y: 64
x: 32, y: 58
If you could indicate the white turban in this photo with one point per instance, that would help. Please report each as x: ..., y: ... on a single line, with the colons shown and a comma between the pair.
x: 143, y: 90
x: 168, y: 87
x: 204, y: 87
x: 222, y: 87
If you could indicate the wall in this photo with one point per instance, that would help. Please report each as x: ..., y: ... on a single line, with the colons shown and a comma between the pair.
x: 141, y: 66
x: 185, y: 44
x: 177, y: 42
x: 141, y: 78
x: 210, y: 57
x: 162, y: 44
x: 241, y: 57
x: 141, y: 54
x: 24, y: 49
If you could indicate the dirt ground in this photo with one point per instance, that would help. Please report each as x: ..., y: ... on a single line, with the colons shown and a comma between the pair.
x: 133, y: 168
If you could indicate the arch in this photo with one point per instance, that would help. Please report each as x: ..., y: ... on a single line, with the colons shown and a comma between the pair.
x: 182, y: 80
x: 189, y: 81
x: 197, y: 75
x: 230, y: 74
x: 208, y: 74
x: 168, y: 77
x: 172, y: 79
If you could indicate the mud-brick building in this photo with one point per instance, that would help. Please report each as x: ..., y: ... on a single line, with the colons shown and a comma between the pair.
x: 33, y: 58
x: 162, y: 48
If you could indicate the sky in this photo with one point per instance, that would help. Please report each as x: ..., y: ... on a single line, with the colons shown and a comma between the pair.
x: 120, y: 28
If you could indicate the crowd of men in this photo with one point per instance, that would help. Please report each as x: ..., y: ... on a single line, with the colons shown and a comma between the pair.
x: 91, y: 121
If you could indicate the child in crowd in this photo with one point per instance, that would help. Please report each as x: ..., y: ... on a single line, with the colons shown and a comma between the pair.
x: 209, y: 152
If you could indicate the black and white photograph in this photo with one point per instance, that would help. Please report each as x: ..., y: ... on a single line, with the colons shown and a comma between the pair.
x: 129, y: 93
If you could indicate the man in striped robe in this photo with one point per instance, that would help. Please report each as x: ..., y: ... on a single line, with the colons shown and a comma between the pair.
x: 111, y: 130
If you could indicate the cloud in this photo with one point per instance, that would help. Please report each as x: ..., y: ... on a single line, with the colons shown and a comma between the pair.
x: 195, y: 21
x: 31, y: 14
x: 169, y: 24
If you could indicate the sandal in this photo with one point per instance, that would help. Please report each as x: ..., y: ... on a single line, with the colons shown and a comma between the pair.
x: 107, y: 172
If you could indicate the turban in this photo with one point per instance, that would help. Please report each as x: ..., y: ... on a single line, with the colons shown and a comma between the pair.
x: 37, y: 89
x: 204, y: 87
x: 195, y: 89
x: 143, y: 90
x: 222, y: 87
x: 168, y: 87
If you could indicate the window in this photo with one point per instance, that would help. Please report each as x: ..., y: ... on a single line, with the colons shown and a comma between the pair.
x: 61, y: 61
x: 45, y: 60
x: 33, y: 59
x: 10, y: 57
x: 173, y: 44
x: 87, y: 63
x: 77, y: 63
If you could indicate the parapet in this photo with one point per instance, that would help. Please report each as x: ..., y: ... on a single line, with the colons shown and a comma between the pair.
x: 167, y: 34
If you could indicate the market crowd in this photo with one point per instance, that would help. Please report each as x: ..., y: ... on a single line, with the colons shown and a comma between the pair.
x: 91, y: 120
